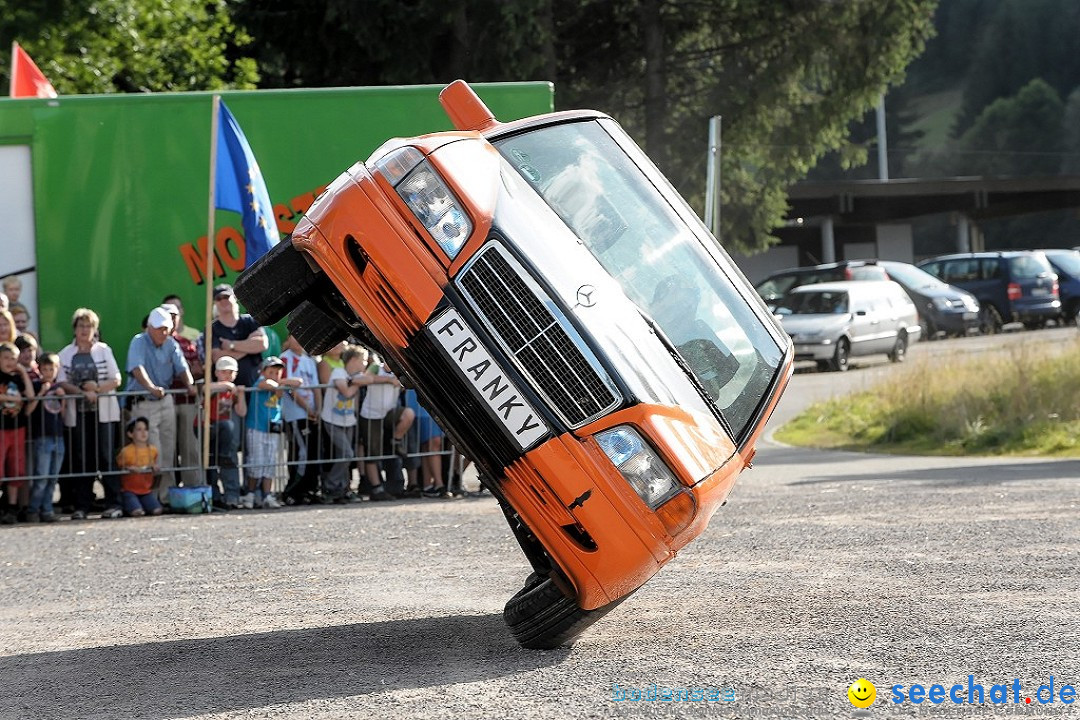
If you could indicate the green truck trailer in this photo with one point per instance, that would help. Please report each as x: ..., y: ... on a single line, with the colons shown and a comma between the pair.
x: 105, y: 196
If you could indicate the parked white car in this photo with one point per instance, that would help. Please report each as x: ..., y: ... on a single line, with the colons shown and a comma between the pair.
x: 832, y: 322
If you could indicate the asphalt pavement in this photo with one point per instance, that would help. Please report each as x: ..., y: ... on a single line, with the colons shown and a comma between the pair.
x: 824, y: 567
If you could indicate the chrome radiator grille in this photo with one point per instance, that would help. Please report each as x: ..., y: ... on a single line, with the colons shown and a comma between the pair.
x: 541, y: 340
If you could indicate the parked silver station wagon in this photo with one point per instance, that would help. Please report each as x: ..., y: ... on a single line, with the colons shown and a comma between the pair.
x: 832, y: 322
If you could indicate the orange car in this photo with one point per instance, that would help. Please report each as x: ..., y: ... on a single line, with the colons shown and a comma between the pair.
x: 569, y: 322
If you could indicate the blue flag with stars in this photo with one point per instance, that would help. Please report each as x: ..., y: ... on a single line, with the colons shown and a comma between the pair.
x: 239, y: 186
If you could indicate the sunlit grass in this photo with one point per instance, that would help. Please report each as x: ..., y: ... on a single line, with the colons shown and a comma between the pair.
x: 1014, y: 401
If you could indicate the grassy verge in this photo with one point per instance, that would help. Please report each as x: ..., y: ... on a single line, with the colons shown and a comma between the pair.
x: 1015, y: 401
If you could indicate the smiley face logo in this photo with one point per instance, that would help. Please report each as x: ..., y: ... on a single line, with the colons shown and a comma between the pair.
x: 862, y: 693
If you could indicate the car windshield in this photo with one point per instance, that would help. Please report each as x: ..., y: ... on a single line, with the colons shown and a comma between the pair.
x: 776, y: 287
x: 911, y: 276
x: 607, y: 200
x: 814, y: 302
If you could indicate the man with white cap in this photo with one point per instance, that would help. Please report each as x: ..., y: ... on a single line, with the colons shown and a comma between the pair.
x: 153, y: 360
x: 186, y: 406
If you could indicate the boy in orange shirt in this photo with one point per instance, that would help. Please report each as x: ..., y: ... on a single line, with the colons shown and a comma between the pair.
x: 139, y: 461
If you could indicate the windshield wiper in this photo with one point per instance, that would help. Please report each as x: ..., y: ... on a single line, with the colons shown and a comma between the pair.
x: 685, y: 367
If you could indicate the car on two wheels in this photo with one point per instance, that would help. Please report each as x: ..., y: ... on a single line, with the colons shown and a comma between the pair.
x: 569, y: 322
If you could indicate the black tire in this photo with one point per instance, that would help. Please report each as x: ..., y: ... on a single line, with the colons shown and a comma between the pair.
x: 1071, y: 314
x: 899, y: 351
x: 276, y: 284
x: 929, y: 330
x: 989, y: 320
x: 316, y: 329
x: 541, y: 618
x: 841, y: 358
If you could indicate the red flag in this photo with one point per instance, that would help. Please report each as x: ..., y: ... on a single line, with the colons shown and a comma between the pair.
x: 26, y: 79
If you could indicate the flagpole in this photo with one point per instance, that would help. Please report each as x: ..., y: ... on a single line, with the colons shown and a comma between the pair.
x: 208, y: 280
x: 14, y: 69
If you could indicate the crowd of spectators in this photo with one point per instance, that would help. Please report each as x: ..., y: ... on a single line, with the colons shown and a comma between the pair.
x: 283, y: 427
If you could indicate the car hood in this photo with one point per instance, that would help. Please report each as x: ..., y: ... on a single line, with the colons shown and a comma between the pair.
x: 941, y: 290
x: 813, y: 324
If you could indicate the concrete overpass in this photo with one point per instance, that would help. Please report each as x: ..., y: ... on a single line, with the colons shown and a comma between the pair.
x: 831, y: 221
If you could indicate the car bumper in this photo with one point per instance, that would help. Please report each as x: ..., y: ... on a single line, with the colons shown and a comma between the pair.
x: 1036, y: 310
x: 815, y: 351
x: 955, y: 322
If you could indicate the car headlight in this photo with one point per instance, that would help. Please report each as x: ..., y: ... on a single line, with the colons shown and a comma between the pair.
x: 647, y: 474
x: 425, y: 193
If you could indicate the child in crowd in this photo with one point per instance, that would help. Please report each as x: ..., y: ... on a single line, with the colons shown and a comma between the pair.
x: 429, y: 437
x: 139, y: 461
x: 383, y: 422
x: 227, y: 403
x: 46, y: 439
x: 28, y: 352
x: 16, y: 403
x: 264, y: 433
x: 300, y: 411
x: 339, y: 422
x: 12, y: 287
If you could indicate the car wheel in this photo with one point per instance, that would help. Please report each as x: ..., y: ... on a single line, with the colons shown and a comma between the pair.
x: 276, y: 283
x: 929, y: 332
x: 1071, y: 314
x: 840, y: 360
x: 989, y: 320
x: 899, y: 352
x: 317, y: 330
x: 541, y: 617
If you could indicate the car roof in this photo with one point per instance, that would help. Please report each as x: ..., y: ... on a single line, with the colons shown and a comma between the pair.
x: 818, y: 268
x: 868, y: 286
x: 983, y: 254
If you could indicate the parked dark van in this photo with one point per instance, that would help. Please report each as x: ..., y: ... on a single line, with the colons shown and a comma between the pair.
x: 1066, y: 264
x: 1010, y: 285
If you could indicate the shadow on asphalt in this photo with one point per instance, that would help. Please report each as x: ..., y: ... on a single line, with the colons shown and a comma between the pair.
x: 182, y: 678
x: 963, y: 475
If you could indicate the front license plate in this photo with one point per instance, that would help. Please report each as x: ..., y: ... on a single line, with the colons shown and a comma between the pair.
x: 489, y: 382
x: 970, y: 315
